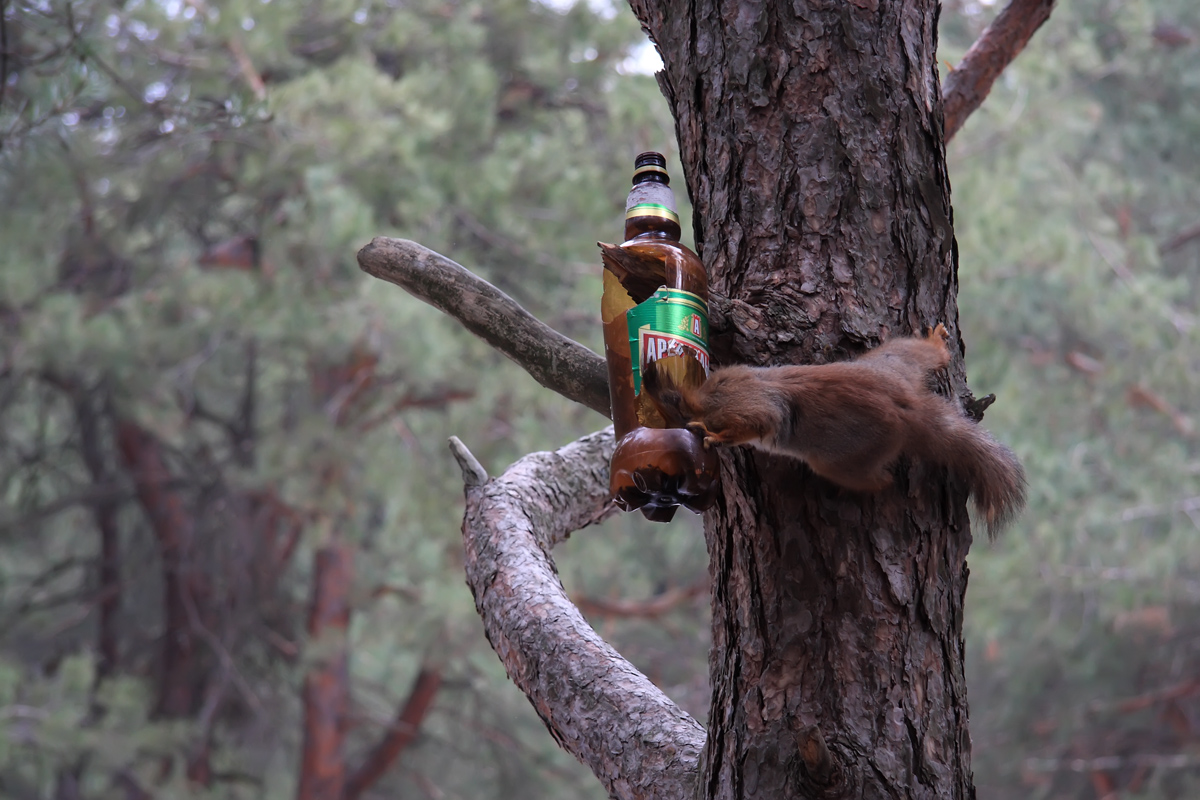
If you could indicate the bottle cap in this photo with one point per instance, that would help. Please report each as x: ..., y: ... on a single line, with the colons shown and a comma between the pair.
x: 650, y: 165
x: 649, y: 157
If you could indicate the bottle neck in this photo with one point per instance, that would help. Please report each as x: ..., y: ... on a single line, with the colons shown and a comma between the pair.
x: 650, y: 208
x: 651, y: 228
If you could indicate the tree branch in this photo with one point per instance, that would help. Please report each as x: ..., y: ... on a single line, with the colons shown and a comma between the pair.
x: 399, y: 736
x: 968, y: 84
x: 652, y: 608
x: 596, y: 705
x: 184, y: 583
x: 554, y: 361
x: 94, y: 495
x: 1180, y: 239
x: 1188, y: 688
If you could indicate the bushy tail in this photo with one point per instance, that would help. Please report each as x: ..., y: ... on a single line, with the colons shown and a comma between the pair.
x: 993, y: 472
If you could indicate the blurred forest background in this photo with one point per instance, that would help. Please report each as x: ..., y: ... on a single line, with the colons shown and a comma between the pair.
x: 227, y: 510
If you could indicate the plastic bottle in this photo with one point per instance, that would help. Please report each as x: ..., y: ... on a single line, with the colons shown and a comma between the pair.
x: 655, y: 308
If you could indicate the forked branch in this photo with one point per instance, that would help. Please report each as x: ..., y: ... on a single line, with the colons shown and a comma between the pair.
x: 596, y: 704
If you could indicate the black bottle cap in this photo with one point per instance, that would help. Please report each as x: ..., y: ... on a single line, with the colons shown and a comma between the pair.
x: 650, y: 166
x: 649, y: 157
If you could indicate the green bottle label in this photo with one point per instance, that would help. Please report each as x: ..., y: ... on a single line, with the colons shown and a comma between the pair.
x: 670, y: 323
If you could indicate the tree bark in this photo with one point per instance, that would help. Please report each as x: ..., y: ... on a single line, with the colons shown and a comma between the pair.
x: 811, y: 137
x: 813, y: 142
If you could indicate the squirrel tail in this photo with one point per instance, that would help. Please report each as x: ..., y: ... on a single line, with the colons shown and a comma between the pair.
x: 993, y: 471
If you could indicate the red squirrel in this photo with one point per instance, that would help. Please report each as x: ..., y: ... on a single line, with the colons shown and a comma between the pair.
x: 850, y: 421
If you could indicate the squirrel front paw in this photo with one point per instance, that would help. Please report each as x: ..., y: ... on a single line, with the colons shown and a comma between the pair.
x: 700, y: 429
x: 711, y: 438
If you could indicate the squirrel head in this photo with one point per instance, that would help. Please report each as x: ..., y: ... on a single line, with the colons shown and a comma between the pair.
x: 672, y: 402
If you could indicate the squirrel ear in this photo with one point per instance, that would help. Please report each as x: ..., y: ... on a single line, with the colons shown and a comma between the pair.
x: 650, y: 378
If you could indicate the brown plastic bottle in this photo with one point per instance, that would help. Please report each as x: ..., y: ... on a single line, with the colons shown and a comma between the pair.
x: 655, y: 305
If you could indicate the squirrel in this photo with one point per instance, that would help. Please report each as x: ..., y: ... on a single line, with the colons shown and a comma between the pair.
x: 850, y: 421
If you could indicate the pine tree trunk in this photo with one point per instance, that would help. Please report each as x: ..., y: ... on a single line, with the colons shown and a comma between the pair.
x: 811, y: 135
x: 327, y: 682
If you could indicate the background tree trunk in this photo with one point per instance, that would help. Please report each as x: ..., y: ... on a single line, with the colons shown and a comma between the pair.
x: 327, y: 684
x: 185, y: 586
x: 811, y: 136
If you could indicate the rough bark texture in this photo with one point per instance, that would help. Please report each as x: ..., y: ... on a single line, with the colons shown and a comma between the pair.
x: 968, y: 84
x: 595, y: 703
x: 812, y: 138
x: 811, y: 135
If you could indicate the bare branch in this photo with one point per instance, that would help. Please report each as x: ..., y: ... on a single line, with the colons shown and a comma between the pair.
x: 104, y: 513
x: 97, y: 494
x: 3, y: 49
x: 968, y: 84
x: 1188, y: 688
x: 1165, y: 761
x: 399, y: 736
x: 554, y: 361
x: 250, y: 75
x: 1180, y: 239
x: 472, y: 471
x: 595, y: 703
x: 652, y: 608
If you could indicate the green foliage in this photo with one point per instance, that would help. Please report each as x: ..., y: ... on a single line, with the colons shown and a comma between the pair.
x: 1070, y: 184
x: 59, y: 718
x: 142, y: 143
